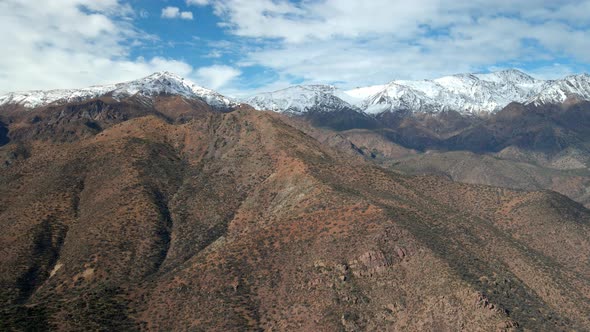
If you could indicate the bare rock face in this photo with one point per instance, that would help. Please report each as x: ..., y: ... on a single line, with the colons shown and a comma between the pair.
x: 370, y: 263
x: 374, y: 259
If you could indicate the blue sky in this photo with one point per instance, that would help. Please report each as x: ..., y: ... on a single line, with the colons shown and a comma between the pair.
x: 240, y: 47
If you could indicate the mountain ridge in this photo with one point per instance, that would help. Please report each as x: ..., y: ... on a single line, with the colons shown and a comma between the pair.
x: 298, y: 99
x: 468, y: 94
x: 157, y: 83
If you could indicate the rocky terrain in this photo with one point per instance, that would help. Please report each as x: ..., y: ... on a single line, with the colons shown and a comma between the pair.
x: 167, y: 213
x: 504, y: 129
x: 495, y: 171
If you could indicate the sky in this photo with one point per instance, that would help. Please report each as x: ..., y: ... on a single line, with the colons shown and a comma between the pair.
x: 242, y: 47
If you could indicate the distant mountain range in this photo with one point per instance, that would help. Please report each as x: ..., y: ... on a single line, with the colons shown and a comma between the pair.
x: 155, y: 84
x: 468, y: 94
x: 500, y: 112
x: 464, y: 93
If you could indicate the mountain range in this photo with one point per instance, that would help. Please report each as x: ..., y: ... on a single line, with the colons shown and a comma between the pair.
x: 468, y: 94
x: 155, y: 84
x: 160, y: 205
x: 463, y: 93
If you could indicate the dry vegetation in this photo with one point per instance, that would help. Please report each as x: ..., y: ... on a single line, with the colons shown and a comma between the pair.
x: 191, y: 219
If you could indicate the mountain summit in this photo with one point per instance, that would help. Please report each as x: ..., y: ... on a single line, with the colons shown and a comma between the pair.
x: 300, y: 99
x: 155, y: 84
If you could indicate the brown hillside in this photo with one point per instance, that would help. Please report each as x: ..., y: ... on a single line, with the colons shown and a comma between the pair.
x: 239, y: 221
x: 495, y: 171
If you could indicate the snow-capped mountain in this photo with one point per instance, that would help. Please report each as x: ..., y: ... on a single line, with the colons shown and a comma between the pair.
x: 465, y: 93
x: 155, y: 84
x: 301, y: 99
x: 557, y: 91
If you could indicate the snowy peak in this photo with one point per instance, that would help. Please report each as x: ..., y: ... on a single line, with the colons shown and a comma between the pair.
x: 301, y: 99
x: 155, y: 84
x: 557, y: 91
x: 465, y: 93
x: 470, y: 93
x: 170, y: 83
x: 398, y: 96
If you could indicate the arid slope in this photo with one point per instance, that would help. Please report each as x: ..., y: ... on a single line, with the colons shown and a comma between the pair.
x: 239, y: 221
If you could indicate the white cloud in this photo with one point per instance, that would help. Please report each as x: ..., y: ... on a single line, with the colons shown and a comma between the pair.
x: 214, y: 54
x: 216, y: 76
x: 197, y: 2
x: 72, y: 43
x: 325, y: 19
x: 356, y: 43
x: 174, y: 12
x: 553, y: 71
x: 186, y: 15
x: 170, y: 12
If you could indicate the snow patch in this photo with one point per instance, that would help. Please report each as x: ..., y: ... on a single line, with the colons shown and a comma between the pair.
x: 300, y: 99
